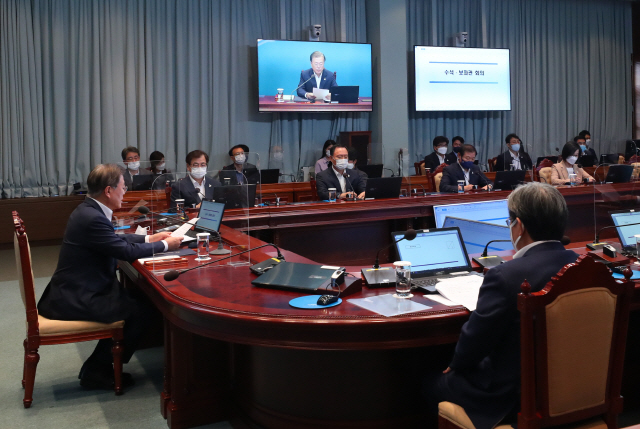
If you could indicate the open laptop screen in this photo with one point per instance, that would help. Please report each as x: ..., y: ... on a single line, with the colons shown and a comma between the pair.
x: 210, y: 215
x: 485, y: 211
x: 477, y: 234
x: 434, y: 251
x: 626, y: 233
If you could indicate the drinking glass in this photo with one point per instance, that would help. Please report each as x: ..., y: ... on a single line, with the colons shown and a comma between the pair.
x: 403, y: 279
x: 461, y: 186
x: 332, y: 194
x: 203, y: 246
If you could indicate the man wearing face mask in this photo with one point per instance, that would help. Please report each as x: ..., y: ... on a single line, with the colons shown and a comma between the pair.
x: 456, y: 145
x: 197, y: 185
x: 243, y: 171
x: 131, y: 160
x: 484, y: 375
x: 514, y: 158
x: 588, y: 157
x: 346, y: 181
x: 465, y: 170
x: 439, y: 154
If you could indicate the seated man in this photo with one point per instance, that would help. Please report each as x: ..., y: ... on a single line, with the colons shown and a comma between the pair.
x: 465, y: 170
x: 353, y: 160
x: 514, y: 158
x: 439, y: 154
x: 456, y: 145
x: 84, y: 285
x: 315, y: 77
x: 346, y: 181
x: 196, y: 186
x: 239, y: 171
x: 131, y: 158
x: 484, y: 374
x: 588, y: 157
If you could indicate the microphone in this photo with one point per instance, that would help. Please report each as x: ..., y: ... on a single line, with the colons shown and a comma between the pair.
x: 489, y: 261
x: 384, y: 277
x: 174, y: 274
x: 299, y: 86
x: 424, y: 191
x: 346, y: 176
x: 410, y: 234
x: 596, y: 242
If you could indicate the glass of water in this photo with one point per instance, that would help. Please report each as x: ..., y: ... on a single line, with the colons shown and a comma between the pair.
x: 461, y: 186
x: 180, y: 205
x: 332, y: 194
x: 403, y: 279
x: 573, y: 179
x: 203, y: 246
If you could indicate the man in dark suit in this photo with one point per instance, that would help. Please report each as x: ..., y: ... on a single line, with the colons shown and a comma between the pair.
x: 514, y: 158
x: 239, y: 171
x: 84, y: 285
x: 484, y: 374
x: 465, y: 170
x: 347, y: 182
x: 588, y: 157
x: 439, y: 154
x: 315, y: 77
x: 131, y: 160
x: 197, y: 185
x: 456, y: 146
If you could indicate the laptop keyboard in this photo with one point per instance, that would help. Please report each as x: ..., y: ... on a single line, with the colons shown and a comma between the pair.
x: 425, y: 281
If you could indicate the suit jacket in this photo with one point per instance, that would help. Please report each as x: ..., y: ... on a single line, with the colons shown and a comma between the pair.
x: 432, y: 161
x: 249, y: 170
x: 184, y: 189
x: 451, y: 158
x: 560, y: 175
x: 588, y: 158
x: 453, y: 173
x: 326, y: 81
x: 486, y: 362
x: 128, y: 181
x: 326, y: 179
x: 84, y: 285
x: 525, y: 161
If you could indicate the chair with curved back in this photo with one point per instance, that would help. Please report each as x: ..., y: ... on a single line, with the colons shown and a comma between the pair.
x: 544, y: 175
x: 419, y: 167
x: 572, y: 341
x: 42, y: 331
x: 492, y: 163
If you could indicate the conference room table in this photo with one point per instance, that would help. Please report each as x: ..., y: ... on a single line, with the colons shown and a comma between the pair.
x: 237, y: 352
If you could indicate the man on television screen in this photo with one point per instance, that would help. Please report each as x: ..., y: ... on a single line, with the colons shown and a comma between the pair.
x: 315, y: 77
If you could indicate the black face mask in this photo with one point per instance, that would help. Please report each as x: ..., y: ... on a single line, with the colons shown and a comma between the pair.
x: 456, y: 149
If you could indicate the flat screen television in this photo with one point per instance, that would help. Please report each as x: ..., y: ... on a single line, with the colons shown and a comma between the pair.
x: 462, y: 79
x: 286, y: 67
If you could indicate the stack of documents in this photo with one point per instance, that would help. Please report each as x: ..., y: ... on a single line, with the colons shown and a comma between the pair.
x: 462, y: 290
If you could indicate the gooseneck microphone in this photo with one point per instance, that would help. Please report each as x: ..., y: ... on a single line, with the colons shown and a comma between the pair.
x: 484, y: 253
x: 346, y: 177
x: 492, y: 260
x: 596, y: 241
x: 393, y: 174
x: 410, y: 234
x: 174, y: 274
x: 424, y: 191
x: 299, y: 86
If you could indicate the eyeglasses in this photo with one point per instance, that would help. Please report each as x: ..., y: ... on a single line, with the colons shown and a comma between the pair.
x: 509, y: 222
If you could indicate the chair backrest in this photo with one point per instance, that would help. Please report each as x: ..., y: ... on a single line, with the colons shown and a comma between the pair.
x: 440, y: 168
x: 636, y: 170
x: 492, y: 163
x: 25, y: 273
x: 545, y: 175
x: 620, y: 159
x: 573, y: 335
x: 314, y: 190
x: 633, y: 159
x: 419, y: 166
x: 436, y: 181
x: 544, y: 163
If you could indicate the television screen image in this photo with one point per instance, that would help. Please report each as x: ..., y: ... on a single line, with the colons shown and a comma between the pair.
x: 462, y: 79
x: 301, y: 76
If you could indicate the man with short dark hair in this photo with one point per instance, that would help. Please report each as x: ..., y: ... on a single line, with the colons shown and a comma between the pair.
x: 245, y: 172
x: 346, y: 181
x: 197, y: 186
x: 315, y: 77
x: 439, y: 154
x: 131, y: 160
x: 84, y: 285
x: 465, y: 170
x: 456, y: 146
x: 484, y: 374
x: 588, y: 157
x: 514, y: 158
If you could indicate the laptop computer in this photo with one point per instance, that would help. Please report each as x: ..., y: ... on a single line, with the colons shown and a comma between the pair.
x: 626, y: 234
x: 434, y: 254
x: 619, y: 173
x: 372, y: 170
x: 382, y: 187
x: 296, y: 276
x: 269, y: 175
x: 143, y: 182
x: 235, y: 196
x: 209, y: 218
x: 508, y: 180
x: 344, y: 94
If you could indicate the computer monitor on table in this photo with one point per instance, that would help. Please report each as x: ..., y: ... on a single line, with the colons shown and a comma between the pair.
x: 476, y: 234
x: 484, y: 211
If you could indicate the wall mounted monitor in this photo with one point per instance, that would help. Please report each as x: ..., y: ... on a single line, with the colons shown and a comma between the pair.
x: 462, y: 79
x: 285, y: 67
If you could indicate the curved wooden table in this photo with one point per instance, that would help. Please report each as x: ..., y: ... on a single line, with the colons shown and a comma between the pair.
x: 235, y: 350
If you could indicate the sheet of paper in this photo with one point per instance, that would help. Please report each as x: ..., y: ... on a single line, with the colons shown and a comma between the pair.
x: 461, y: 290
x: 388, y: 305
x: 441, y: 299
x: 321, y: 94
x: 180, y: 232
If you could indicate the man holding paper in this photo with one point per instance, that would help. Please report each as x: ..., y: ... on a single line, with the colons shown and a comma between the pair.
x: 317, y: 77
x: 484, y: 374
x: 84, y: 285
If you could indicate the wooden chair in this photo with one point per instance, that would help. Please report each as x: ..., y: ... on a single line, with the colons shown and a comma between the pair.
x: 633, y: 160
x: 419, y: 166
x: 620, y: 159
x: 492, y: 163
x: 544, y: 175
x: 543, y: 164
x: 314, y: 190
x: 437, y: 178
x: 572, y: 339
x: 42, y: 331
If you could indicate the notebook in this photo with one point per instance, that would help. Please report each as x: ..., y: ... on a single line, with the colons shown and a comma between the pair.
x: 626, y: 233
x: 434, y: 254
x: 382, y: 187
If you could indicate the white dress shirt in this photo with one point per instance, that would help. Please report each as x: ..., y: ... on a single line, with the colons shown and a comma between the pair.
x: 341, y: 179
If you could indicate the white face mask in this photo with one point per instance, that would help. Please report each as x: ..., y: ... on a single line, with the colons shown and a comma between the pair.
x: 572, y: 159
x: 240, y: 159
x: 588, y: 142
x: 350, y: 166
x: 327, y: 153
x: 160, y: 166
x: 198, y: 172
x: 134, y: 165
x: 514, y: 243
x: 442, y: 150
x: 342, y: 163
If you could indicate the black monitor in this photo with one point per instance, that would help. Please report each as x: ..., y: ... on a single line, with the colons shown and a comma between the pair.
x: 619, y: 173
x: 235, y: 196
x: 609, y: 158
x: 371, y: 170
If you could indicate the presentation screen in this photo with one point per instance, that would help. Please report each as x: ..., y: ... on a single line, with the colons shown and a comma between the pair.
x: 313, y: 76
x: 462, y: 79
